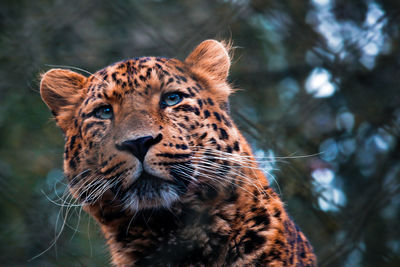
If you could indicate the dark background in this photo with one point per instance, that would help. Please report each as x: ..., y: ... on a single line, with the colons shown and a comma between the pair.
x: 319, y: 79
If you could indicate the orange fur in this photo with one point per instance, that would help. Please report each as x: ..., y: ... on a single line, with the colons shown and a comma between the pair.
x: 153, y: 155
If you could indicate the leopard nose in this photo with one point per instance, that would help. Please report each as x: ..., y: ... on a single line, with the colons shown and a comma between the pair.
x: 139, y: 147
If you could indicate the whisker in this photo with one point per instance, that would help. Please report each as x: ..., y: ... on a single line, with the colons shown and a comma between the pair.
x: 199, y: 148
x: 221, y: 180
x: 209, y: 166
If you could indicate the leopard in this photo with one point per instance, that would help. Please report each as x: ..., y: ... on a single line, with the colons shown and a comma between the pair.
x: 153, y: 155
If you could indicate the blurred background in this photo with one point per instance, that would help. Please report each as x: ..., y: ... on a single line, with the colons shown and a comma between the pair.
x: 320, y: 104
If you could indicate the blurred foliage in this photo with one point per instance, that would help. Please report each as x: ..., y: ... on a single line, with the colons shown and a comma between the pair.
x: 319, y: 78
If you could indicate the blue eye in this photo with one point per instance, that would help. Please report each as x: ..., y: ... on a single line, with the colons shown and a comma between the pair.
x: 104, y: 112
x: 171, y: 99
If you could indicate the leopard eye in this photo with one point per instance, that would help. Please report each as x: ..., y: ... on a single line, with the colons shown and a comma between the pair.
x: 171, y: 99
x: 104, y: 112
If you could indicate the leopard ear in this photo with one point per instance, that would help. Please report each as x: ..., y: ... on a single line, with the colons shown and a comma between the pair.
x: 62, y: 91
x: 211, y: 58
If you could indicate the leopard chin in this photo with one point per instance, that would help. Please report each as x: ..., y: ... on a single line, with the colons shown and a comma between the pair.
x: 149, y: 191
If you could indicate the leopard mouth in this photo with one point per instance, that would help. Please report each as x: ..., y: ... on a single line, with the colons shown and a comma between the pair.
x: 147, y: 183
x: 149, y: 191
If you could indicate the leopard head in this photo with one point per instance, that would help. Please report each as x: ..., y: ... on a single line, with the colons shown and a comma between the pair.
x: 138, y: 131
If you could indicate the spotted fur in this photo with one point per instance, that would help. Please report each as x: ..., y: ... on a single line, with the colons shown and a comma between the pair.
x: 170, y: 185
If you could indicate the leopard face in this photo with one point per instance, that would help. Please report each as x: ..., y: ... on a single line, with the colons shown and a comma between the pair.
x: 137, y: 130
